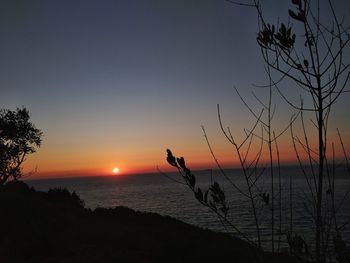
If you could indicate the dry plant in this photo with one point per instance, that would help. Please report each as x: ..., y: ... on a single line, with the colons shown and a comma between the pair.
x: 308, y: 54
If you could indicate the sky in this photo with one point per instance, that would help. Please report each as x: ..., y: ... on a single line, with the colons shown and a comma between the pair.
x: 116, y: 83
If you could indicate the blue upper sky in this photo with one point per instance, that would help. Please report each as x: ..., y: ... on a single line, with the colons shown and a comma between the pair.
x: 129, y: 75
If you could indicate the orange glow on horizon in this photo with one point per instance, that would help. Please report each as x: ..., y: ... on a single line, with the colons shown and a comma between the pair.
x: 101, y: 162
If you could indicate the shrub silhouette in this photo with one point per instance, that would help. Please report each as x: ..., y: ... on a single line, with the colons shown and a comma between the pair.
x: 54, y: 227
x: 63, y: 197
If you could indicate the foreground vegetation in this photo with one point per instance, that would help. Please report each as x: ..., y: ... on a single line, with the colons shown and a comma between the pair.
x: 54, y: 226
x: 304, y: 53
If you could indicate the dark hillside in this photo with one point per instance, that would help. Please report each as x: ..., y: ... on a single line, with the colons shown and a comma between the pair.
x: 55, y: 227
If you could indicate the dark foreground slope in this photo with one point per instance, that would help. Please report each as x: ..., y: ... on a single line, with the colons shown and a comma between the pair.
x: 55, y: 227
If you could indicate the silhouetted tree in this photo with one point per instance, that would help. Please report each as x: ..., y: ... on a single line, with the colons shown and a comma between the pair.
x: 18, y: 138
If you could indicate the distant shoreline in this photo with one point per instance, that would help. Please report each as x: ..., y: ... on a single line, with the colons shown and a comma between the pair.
x: 82, y: 176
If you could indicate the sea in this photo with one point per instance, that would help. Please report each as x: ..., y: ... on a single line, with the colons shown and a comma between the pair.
x: 166, y: 194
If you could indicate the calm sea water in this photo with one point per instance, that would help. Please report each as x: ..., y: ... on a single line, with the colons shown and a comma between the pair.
x: 159, y: 194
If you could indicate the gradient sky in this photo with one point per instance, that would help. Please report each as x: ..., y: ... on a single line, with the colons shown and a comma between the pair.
x: 115, y: 83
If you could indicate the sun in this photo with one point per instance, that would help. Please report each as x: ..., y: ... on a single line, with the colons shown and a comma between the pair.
x: 115, y: 170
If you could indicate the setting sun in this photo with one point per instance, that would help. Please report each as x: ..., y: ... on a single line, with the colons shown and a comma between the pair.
x: 115, y: 170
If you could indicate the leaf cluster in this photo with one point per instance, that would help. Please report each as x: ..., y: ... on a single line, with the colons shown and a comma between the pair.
x: 214, y: 197
x: 283, y: 38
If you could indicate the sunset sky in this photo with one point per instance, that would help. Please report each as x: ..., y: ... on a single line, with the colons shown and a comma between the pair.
x: 116, y: 83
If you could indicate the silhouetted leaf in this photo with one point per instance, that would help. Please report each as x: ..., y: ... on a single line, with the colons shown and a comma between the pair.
x: 181, y: 162
x: 191, y: 179
x: 187, y: 170
x: 171, y: 159
x: 300, y: 16
x: 292, y: 14
x: 297, y: 2
x: 285, y: 38
x: 265, y: 37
